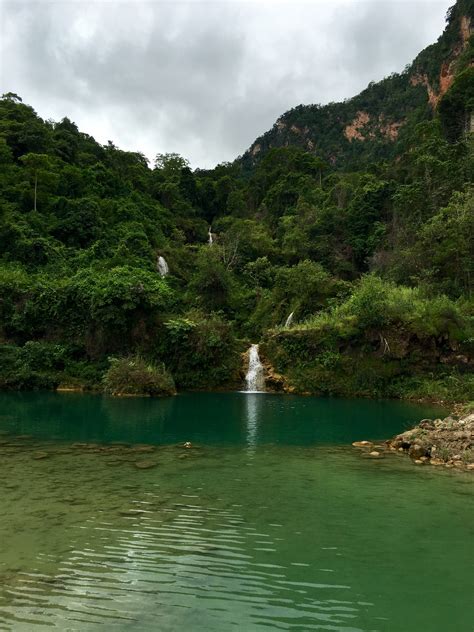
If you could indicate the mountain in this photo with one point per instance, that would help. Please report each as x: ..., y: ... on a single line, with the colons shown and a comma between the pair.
x: 375, y: 124
x: 358, y: 221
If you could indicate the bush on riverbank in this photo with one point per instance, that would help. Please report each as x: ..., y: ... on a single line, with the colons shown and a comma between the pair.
x: 41, y: 365
x: 135, y: 376
x: 384, y: 340
x: 201, y: 350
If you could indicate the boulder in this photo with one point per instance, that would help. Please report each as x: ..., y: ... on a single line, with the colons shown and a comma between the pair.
x: 416, y: 451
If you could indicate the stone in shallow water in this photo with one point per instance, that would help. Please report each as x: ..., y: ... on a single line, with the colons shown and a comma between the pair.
x: 374, y: 453
x: 143, y: 448
x: 145, y: 465
x: 40, y: 455
x: 362, y: 444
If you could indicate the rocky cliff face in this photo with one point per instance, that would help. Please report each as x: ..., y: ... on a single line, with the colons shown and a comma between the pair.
x: 369, y: 126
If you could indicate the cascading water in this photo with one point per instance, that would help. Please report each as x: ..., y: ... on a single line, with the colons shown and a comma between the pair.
x: 162, y: 266
x: 255, y: 378
x: 289, y: 320
x: 210, y: 240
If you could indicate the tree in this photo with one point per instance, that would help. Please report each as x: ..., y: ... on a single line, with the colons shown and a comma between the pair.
x: 37, y: 165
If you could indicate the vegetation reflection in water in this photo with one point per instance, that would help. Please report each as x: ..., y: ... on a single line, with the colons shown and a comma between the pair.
x: 273, y: 522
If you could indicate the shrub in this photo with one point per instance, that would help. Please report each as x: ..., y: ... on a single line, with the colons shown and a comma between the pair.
x: 134, y: 376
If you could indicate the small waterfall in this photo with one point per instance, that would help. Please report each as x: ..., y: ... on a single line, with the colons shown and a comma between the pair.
x: 289, y: 320
x: 210, y: 240
x: 162, y: 266
x: 255, y: 378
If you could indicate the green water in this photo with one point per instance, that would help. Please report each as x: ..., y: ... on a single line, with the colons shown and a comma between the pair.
x: 273, y: 522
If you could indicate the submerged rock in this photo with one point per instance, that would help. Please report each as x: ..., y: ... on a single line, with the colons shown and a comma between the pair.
x: 40, y: 455
x: 145, y: 465
x: 362, y: 444
x: 142, y: 448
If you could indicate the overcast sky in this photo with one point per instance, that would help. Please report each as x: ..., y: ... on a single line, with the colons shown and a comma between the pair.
x: 203, y: 79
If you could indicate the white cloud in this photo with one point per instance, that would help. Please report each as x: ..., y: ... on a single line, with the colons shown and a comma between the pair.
x: 201, y: 78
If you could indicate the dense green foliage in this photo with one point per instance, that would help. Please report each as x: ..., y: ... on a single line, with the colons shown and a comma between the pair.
x: 372, y: 253
x: 384, y: 339
x: 134, y: 376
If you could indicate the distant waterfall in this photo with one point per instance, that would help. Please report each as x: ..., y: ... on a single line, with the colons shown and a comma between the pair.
x: 210, y: 240
x: 162, y: 266
x: 255, y: 378
x: 289, y: 320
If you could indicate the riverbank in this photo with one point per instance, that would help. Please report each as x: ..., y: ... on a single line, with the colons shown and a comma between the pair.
x: 447, y: 442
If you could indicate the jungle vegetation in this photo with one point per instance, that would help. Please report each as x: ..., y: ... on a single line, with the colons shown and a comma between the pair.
x: 372, y: 252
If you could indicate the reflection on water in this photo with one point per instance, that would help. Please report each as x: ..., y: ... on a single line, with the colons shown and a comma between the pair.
x: 305, y: 535
x: 211, y: 418
x: 252, y: 403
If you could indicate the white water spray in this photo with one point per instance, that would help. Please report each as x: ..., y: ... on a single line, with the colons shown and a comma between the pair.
x: 289, y: 320
x: 255, y: 378
x: 210, y: 240
x: 162, y: 266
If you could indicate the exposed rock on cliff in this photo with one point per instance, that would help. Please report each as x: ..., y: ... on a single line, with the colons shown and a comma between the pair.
x: 376, y: 116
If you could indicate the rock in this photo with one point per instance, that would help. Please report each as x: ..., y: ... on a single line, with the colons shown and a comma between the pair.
x: 40, y: 455
x: 145, y: 465
x: 401, y: 450
x: 427, y: 424
x: 362, y: 444
x: 424, y: 458
x: 143, y: 448
x: 416, y: 451
x: 374, y: 453
x: 437, y: 462
x: 458, y: 464
x: 470, y: 466
x: 187, y: 444
x: 418, y: 462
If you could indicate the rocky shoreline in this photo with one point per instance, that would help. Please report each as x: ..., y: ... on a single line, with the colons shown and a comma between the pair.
x: 445, y: 442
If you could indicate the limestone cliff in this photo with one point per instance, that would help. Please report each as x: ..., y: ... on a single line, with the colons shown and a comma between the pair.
x: 371, y: 125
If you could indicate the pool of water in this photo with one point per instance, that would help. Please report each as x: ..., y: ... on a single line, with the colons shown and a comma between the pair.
x: 270, y: 521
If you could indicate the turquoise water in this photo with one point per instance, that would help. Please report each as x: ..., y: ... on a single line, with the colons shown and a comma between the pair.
x: 271, y: 521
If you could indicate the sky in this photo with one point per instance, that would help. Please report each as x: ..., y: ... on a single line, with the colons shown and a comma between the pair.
x: 202, y: 79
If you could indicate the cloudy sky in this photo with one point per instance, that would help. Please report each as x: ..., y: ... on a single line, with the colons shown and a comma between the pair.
x: 203, y: 79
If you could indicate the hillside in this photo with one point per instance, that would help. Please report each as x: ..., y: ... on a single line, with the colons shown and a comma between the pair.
x: 376, y: 124
x: 111, y: 278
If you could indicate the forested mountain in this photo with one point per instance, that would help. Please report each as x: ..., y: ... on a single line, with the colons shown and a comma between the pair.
x: 378, y: 123
x: 365, y: 235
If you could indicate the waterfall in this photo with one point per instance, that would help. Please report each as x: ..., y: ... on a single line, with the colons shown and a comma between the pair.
x: 289, y: 320
x: 255, y: 379
x: 162, y: 266
x: 210, y: 241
